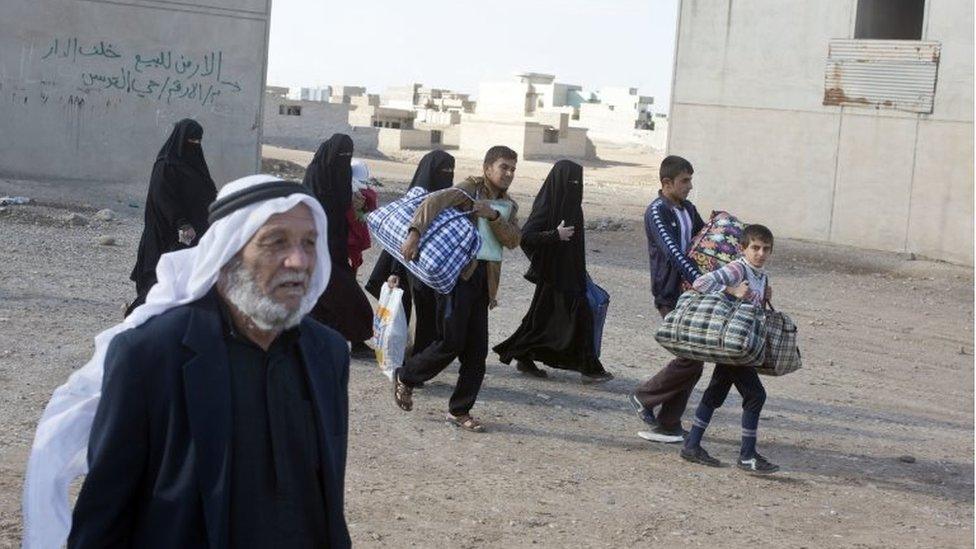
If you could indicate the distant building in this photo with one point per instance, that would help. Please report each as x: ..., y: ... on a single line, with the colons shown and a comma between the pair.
x: 345, y: 94
x: 316, y: 94
x: 532, y: 112
x: 616, y: 110
x: 550, y: 136
x: 382, y: 117
x: 298, y: 124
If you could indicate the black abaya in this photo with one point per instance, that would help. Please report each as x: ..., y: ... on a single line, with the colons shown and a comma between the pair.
x: 180, y: 191
x: 558, y: 328
x: 343, y: 306
x: 435, y: 172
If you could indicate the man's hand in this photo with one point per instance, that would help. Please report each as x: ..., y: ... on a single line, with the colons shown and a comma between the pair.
x: 410, y: 245
x: 740, y: 291
x: 358, y: 200
x: 482, y: 208
x: 186, y: 235
x: 565, y: 233
x: 393, y: 281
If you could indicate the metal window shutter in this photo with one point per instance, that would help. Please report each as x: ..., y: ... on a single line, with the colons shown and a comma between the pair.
x: 883, y: 74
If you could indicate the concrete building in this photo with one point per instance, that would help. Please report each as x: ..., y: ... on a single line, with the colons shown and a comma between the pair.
x: 529, y: 138
x: 844, y: 121
x: 90, y: 90
x: 315, y: 94
x: 298, y: 124
x: 530, y: 114
x: 345, y: 94
x: 373, y: 115
x: 527, y: 94
x: 617, y: 110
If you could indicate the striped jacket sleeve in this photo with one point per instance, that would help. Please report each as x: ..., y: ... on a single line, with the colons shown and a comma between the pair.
x: 657, y: 228
x: 717, y: 280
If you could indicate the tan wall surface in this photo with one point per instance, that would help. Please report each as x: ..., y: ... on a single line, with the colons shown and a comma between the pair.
x: 874, y: 179
x: 941, y: 223
x: 747, y: 111
x: 478, y: 136
x: 573, y: 145
x: 766, y: 166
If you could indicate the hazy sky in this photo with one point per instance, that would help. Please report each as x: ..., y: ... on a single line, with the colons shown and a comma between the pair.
x: 457, y: 43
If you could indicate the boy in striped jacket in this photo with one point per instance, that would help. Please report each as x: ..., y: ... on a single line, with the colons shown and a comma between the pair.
x: 671, y: 222
x: 744, y: 279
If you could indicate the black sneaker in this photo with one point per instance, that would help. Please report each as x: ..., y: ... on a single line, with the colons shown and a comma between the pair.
x: 660, y: 434
x: 757, y: 465
x: 647, y: 416
x: 700, y: 456
x: 529, y: 368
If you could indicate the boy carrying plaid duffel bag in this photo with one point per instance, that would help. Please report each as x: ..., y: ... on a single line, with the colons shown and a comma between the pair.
x: 746, y: 280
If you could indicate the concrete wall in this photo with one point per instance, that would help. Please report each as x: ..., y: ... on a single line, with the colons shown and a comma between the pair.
x: 747, y: 111
x: 478, y: 135
x: 394, y: 140
x: 571, y: 145
x: 90, y: 90
x: 317, y: 123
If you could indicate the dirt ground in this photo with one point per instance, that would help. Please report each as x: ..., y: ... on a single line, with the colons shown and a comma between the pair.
x: 875, y: 434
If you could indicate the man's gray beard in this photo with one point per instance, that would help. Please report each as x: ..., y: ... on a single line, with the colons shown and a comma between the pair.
x: 242, y: 292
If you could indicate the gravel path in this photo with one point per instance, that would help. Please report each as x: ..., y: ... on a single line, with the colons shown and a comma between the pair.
x: 888, y: 352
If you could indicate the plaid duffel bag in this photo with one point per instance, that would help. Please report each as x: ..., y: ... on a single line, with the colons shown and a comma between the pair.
x: 714, y: 328
x: 782, y: 352
x: 446, y: 247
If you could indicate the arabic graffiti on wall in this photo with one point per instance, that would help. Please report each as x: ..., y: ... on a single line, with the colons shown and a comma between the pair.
x: 162, y: 75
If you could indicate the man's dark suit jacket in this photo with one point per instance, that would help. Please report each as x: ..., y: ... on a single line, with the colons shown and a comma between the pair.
x: 159, y: 449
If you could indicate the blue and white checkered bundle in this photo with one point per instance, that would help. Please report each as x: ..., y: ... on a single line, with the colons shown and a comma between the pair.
x: 446, y: 248
x: 715, y: 328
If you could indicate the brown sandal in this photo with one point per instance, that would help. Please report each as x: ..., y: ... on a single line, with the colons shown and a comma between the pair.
x: 402, y: 393
x: 466, y: 422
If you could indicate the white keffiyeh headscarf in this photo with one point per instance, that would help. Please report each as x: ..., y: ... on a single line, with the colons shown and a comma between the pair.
x: 59, y: 453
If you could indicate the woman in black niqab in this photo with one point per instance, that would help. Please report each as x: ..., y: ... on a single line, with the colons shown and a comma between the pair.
x: 329, y: 177
x: 343, y: 307
x: 180, y: 191
x: 558, y: 328
x: 435, y: 172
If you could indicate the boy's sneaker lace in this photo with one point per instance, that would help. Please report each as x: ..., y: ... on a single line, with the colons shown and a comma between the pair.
x: 757, y: 465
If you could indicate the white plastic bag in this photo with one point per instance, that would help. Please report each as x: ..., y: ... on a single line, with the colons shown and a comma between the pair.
x: 389, y: 330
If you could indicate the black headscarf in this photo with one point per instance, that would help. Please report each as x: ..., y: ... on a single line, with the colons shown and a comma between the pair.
x: 180, y: 190
x: 329, y: 177
x: 562, y: 264
x: 435, y: 172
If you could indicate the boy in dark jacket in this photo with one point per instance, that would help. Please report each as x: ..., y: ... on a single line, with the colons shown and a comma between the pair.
x: 670, y: 221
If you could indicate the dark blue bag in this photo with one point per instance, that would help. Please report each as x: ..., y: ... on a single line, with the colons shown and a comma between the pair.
x: 599, y: 300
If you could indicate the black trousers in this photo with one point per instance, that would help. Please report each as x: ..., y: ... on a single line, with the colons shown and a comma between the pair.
x: 670, y: 388
x: 746, y: 381
x: 462, y: 333
x: 425, y: 304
